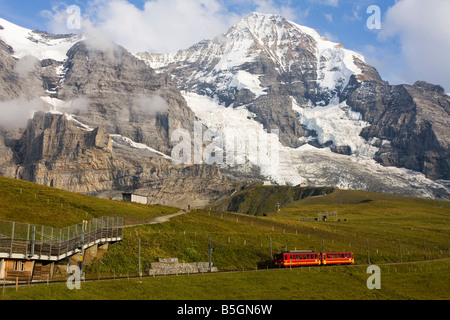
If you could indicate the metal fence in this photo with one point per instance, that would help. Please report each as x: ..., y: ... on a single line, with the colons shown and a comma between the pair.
x: 43, y: 242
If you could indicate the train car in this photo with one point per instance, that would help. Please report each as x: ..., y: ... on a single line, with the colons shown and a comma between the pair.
x: 297, y: 259
x: 330, y: 258
x: 309, y: 258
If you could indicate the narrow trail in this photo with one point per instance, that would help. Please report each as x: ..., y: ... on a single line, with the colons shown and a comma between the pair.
x: 158, y: 220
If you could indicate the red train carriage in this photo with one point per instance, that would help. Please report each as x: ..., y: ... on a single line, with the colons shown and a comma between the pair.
x: 297, y: 258
x: 309, y: 258
x: 337, y: 258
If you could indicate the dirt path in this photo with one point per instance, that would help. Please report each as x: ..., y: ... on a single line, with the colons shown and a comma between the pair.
x: 158, y: 220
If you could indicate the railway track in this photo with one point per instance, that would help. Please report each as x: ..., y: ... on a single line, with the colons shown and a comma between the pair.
x: 136, y: 277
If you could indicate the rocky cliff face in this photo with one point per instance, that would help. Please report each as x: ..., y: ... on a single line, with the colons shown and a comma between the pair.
x: 54, y: 151
x: 103, y: 118
x: 261, y: 63
x: 102, y: 123
x: 414, y: 119
x: 124, y: 95
x: 316, y: 92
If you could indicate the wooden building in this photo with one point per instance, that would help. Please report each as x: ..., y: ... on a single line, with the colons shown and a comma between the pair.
x: 25, y: 270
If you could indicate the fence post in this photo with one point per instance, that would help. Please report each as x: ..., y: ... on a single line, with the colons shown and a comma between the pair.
x: 28, y: 240
x: 12, y: 237
x: 33, y: 240
x: 139, y: 260
x: 270, y: 244
x: 424, y: 250
x: 42, y: 241
x: 59, y: 243
x: 209, y: 255
x: 51, y: 242
x: 82, y: 250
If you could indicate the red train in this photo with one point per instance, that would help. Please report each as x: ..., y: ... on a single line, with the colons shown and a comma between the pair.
x: 309, y: 258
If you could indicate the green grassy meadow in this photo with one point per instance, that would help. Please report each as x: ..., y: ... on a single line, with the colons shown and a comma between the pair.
x: 27, y: 202
x: 416, y: 281
x: 401, y: 235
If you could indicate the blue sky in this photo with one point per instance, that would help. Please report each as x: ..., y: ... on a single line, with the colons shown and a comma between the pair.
x: 402, y: 50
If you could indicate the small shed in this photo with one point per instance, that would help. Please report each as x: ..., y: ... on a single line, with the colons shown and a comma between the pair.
x: 131, y: 197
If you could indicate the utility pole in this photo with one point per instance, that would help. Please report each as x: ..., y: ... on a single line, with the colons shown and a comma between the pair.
x: 210, y: 252
x: 33, y: 241
x: 139, y: 259
x: 270, y: 245
x: 82, y: 248
x: 424, y: 250
x: 448, y: 248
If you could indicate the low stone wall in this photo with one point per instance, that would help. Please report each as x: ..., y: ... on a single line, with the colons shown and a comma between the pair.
x: 172, y: 266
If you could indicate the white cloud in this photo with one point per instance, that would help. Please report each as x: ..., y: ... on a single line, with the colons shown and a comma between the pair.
x: 77, y: 105
x: 163, y: 25
x: 26, y: 65
x: 423, y: 29
x: 330, y: 36
x: 150, y: 105
x: 16, y: 113
x: 57, y: 18
x: 354, y: 14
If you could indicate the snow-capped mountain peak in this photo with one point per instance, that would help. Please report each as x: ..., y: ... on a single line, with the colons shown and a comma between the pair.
x: 26, y: 42
x: 275, y: 95
x: 224, y: 64
x: 281, y: 38
x: 269, y: 73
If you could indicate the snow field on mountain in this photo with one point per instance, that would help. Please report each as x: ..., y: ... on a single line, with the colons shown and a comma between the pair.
x: 245, y: 80
x: 25, y: 42
x: 243, y: 140
x: 338, y: 123
x: 335, y: 64
x: 308, y: 164
x: 119, y: 139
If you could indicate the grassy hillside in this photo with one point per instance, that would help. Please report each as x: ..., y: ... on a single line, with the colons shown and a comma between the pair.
x: 387, y: 221
x: 422, y: 281
x: 27, y: 202
x: 240, y: 241
x: 260, y: 200
x: 380, y: 228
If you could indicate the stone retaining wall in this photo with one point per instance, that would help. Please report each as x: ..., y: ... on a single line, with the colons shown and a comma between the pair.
x: 172, y: 266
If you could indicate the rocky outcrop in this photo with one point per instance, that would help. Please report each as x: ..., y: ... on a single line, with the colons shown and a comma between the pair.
x: 125, y: 96
x: 9, y: 86
x: 413, y: 120
x: 6, y: 159
x: 57, y: 152
x: 96, y: 93
x: 110, y: 115
x: 265, y: 62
